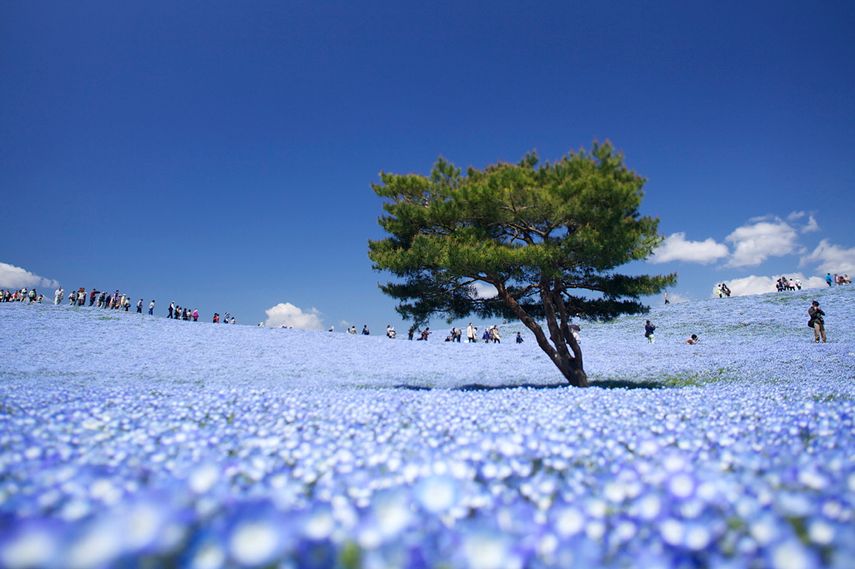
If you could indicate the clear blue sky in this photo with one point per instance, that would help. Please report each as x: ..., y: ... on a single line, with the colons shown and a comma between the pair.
x: 221, y: 154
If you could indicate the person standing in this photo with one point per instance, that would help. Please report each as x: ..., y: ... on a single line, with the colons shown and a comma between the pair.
x: 365, y: 331
x: 151, y: 308
x: 829, y: 280
x: 470, y: 334
x: 139, y: 306
x: 649, y: 328
x: 519, y: 338
x: 171, y: 309
x: 57, y: 295
x: 817, y: 321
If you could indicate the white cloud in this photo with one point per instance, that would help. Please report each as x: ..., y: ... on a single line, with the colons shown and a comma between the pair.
x: 810, y: 226
x: 677, y: 248
x: 15, y: 277
x: 759, y: 284
x: 286, y: 314
x: 484, y: 290
x: 760, y: 239
x: 832, y: 258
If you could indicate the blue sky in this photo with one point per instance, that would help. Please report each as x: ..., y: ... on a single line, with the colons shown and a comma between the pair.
x: 221, y: 154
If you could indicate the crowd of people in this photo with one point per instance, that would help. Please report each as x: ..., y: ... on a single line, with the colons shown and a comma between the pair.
x: 837, y: 279
x: 115, y: 300
x: 22, y: 295
x: 784, y: 283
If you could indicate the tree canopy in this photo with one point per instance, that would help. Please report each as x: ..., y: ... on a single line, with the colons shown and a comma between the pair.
x: 547, y: 236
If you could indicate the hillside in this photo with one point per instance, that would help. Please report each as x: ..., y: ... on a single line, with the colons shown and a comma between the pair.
x: 127, y: 440
x: 755, y: 337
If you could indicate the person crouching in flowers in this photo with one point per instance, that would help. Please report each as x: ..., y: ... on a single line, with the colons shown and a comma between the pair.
x: 693, y: 339
x: 817, y: 321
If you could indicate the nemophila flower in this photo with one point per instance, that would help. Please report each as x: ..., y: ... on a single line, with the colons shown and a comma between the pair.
x: 483, y: 548
x: 437, y: 494
x: 97, y: 544
x: 333, y: 466
x: 791, y: 554
x: 318, y: 523
x: 257, y: 536
x: 568, y: 521
x: 392, y: 512
x: 31, y: 545
x: 143, y: 523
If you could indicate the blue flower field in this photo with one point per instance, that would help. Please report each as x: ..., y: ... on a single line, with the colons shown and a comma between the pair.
x: 132, y: 441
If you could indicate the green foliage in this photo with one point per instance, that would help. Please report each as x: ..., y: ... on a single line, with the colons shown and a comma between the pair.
x: 547, y: 236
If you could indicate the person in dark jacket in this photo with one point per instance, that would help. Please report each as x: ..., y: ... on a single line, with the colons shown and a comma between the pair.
x: 649, y: 328
x: 817, y: 321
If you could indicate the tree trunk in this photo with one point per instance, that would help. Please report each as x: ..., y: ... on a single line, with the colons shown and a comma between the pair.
x: 569, y: 366
x: 578, y: 367
x: 574, y: 373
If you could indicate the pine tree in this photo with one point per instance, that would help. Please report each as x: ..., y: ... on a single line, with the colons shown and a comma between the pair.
x: 548, y: 237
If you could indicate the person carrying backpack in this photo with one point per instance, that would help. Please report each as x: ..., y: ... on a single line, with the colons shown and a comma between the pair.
x: 817, y: 321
